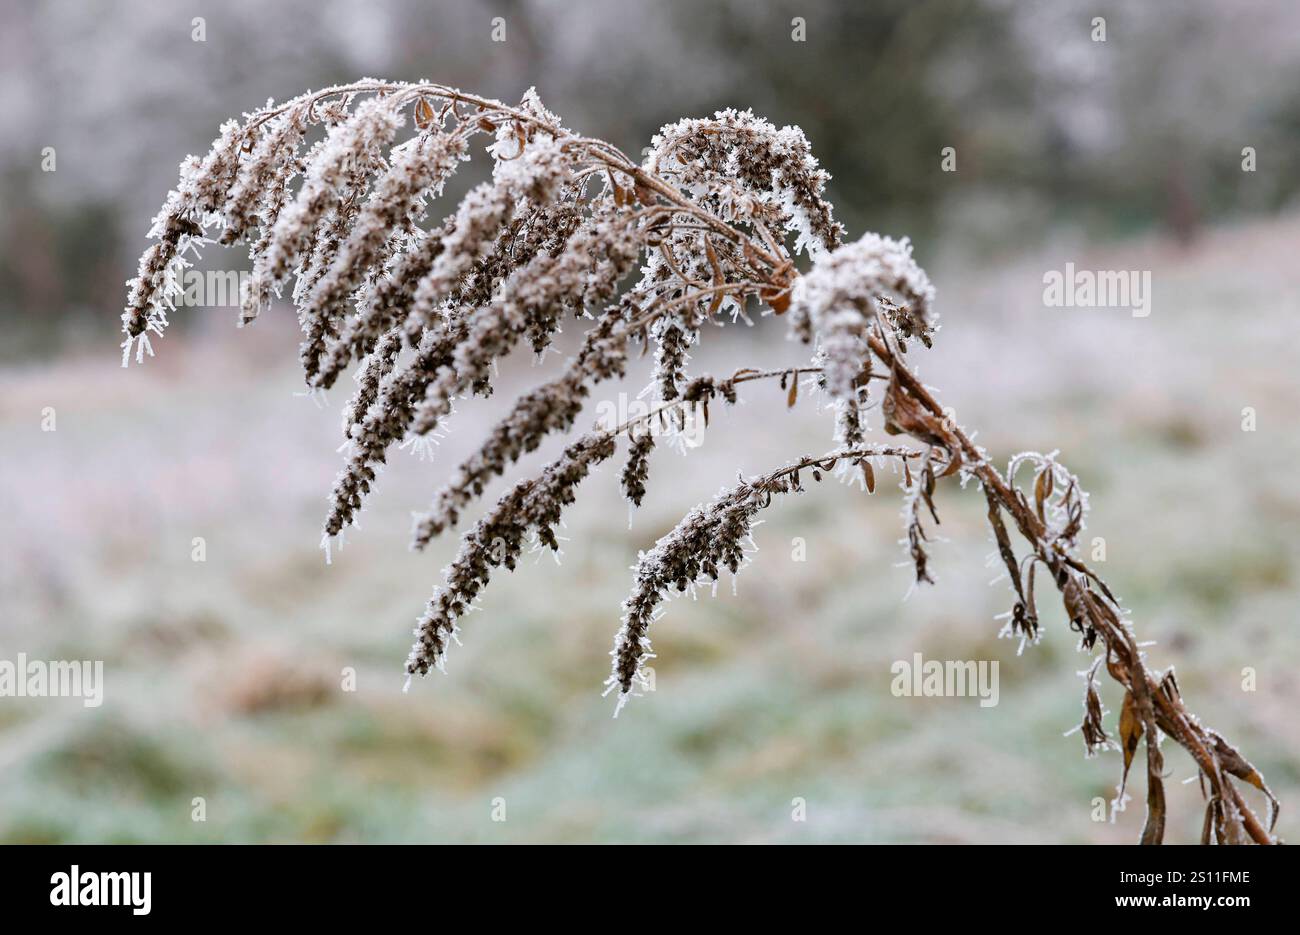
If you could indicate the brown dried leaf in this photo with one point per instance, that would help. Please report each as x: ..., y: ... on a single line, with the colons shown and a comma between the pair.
x: 1130, y: 733
x: 927, y: 491
x: 1094, y: 733
x: 1209, y: 820
x: 905, y: 415
x: 1154, y: 830
x: 1004, y: 544
x: 953, y: 466
x: 777, y: 299
x: 1031, y: 608
x: 1237, y: 765
x: 621, y: 195
x: 709, y: 252
x: 1040, y: 493
x: 1169, y: 687
x: 423, y: 114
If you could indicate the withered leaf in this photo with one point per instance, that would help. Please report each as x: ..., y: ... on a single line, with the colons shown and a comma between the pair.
x: 1153, y: 832
x: 1169, y: 686
x: 1031, y: 608
x: 869, y: 475
x: 1003, y: 539
x: 1211, y: 820
x: 1094, y: 733
x: 1239, y: 766
x: 1130, y: 733
x: 713, y: 262
x: 927, y: 490
x: 423, y: 114
x: 619, y: 195
x: 905, y: 415
x: 1040, y: 492
x: 777, y: 299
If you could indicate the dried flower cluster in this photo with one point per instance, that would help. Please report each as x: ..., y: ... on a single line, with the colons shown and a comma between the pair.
x: 707, y: 228
x: 710, y: 539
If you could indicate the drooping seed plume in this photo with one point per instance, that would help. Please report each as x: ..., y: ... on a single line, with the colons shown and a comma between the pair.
x: 725, y: 219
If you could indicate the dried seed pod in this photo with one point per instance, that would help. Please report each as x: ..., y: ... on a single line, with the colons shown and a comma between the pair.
x: 637, y: 468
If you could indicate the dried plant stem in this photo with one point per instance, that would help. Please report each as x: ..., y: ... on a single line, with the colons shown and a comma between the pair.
x: 740, y: 376
x: 1159, y: 708
x: 708, y: 540
x: 605, y: 152
x: 425, y: 311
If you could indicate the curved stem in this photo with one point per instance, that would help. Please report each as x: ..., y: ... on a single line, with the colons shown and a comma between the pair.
x: 1146, y: 689
x: 602, y: 151
x: 740, y: 376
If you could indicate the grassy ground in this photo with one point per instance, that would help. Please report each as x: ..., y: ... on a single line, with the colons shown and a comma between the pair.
x: 223, y: 677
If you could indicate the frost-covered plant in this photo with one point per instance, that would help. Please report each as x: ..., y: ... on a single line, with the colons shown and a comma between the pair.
x: 705, y: 230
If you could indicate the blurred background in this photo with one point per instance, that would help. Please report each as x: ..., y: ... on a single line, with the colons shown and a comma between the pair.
x: 223, y: 677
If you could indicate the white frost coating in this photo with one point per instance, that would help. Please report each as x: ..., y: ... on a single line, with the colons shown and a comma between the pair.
x: 355, y: 142
x: 180, y: 227
x: 752, y: 169
x: 841, y: 296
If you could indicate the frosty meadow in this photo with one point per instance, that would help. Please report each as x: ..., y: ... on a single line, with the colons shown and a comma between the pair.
x: 706, y: 231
